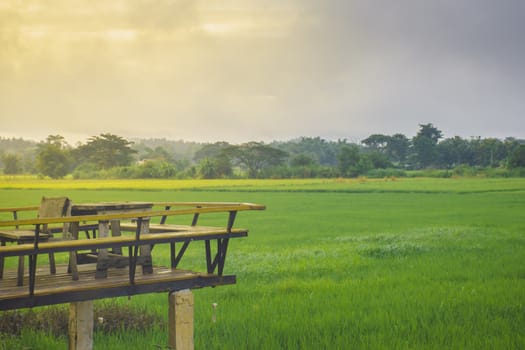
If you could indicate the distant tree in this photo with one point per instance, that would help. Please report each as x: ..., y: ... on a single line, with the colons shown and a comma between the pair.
x: 349, y: 157
x: 322, y: 151
x: 211, y: 150
x: 374, y: 160
x: 207, y: 169
x: 455, y: 151
x: 158, y: 154
x: 425, y: 145
x: 215, y: 156
x: 254, y: 156
x: 377, y: 142
x: 488, y: 152
x: 398, y: 148
x: 517, y: 157
x: 54, y: 157
x: 12, y: 164
x: 395, y: 147
x: 106, y: 151
x: 302, y: 160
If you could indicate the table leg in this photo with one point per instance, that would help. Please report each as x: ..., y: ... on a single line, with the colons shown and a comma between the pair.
x: 72, y: 233
x: 2, y: 243
x: 103, y: 258
x: 145, y: 250
x: 115, y: 232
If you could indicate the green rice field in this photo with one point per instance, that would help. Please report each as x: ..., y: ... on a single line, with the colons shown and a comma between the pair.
x: 335, y: 264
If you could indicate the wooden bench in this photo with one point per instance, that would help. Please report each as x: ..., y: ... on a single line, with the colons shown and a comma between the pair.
x: 173, y: 234
x: 164, y: 226
x: 49, y: 207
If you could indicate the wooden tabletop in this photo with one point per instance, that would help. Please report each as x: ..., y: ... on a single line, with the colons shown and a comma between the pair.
x: 95, y: 208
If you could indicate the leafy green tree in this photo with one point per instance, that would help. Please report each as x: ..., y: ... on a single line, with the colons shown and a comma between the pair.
x: 455, y: 151
x: 425, y: 145
x: 12, y: 164
x: 106, y: 151
x: 159, y: 153
x: 398, y: 148
x: 517, y: 157
x: 377, y: 142
x: 324, y: 152
x: 255, y: 156
x: 349, y: 157
x: 375, y: 160
x: 154, y: 169
x: 211, y: 150
x: 302, y: 160
x: 207, y: 169
x: 216, y: 156
x: 488, y: 152
x: 54, y: 157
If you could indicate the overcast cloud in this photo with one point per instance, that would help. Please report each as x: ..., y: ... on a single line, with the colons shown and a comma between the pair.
x: 252, y: 70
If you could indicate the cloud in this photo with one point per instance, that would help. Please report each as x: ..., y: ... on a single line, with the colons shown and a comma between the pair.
x: 235, y: 70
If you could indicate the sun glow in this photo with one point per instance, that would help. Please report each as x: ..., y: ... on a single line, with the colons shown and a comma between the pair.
x: 121, y: 34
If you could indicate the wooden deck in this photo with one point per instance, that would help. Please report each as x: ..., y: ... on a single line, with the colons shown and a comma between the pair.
x: 60, y: 288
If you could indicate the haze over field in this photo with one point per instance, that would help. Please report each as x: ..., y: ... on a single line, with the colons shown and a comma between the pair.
x: 261, y: 70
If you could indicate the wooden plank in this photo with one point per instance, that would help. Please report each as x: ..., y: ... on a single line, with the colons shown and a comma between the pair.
x: 118, y: 241
x: 90, y: 218
x: 155, y: 228
x: 60, y: 288
x: 26, y: 208
x: 124, y: 215
x: 252, y: 206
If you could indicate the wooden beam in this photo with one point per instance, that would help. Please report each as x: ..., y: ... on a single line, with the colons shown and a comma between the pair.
x: 81, y: 325
x: 80, y: 218
x: 180, y: 327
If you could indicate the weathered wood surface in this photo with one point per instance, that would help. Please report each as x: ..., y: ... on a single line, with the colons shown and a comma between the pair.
x: 81, y: 325
x: 180, y: 315
x: 78, y: 286
x: 198, y: 209
x: 60, y: 288
x: 189, y: 234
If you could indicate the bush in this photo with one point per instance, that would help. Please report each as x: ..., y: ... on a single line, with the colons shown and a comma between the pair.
x: 436, y: 173
x: 85, y: 171
x: 465, y: 170
x: 109, y: 317
x: 382, y: 173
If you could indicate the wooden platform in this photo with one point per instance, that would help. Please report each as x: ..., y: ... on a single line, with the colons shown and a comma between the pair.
x: 60, y: 288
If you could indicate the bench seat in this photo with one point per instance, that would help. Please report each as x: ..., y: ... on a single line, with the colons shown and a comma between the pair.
x: 21, y: 235
x: 192, y: 233
x: 155, y: 228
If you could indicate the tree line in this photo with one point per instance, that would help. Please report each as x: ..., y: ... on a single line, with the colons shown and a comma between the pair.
x: 112, y: 156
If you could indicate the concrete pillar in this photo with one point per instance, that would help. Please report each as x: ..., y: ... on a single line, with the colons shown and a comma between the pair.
x: 81, y: 325
x: 180, y: 327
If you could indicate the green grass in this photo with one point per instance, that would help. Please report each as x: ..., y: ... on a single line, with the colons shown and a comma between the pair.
x: 340, y: 264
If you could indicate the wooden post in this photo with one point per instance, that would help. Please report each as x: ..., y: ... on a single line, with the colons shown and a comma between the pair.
x: 81, y: 325
x: 180, y: 326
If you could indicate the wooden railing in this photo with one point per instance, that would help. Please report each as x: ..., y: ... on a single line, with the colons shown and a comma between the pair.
x: 163, y: 234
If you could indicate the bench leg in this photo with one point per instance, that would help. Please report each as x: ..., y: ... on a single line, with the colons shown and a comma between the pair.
x: 145, y: 250
x: 103, y: 258
x: 20, y: 273
x: 73, y: 266
x: 52, y: 265
x: 73, y: 259
x: 2, y: 243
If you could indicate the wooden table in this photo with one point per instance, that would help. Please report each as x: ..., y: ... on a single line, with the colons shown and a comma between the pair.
x: 101, y: 208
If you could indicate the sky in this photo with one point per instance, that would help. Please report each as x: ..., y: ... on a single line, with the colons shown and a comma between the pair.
x: 246, y: 70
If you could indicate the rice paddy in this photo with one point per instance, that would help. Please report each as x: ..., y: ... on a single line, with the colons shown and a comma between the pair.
x: 337, y: 264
